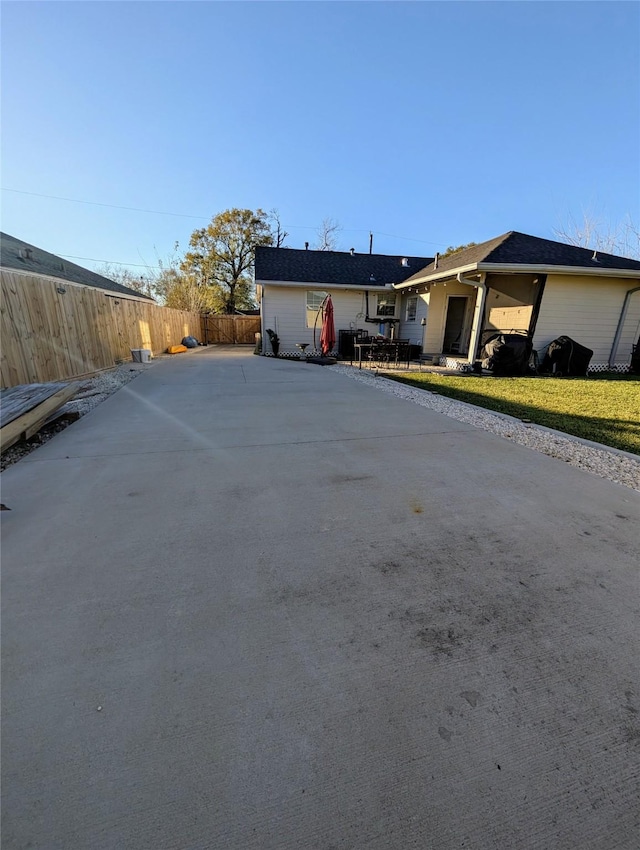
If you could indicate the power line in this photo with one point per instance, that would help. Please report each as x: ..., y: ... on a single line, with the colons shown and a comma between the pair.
x: 109, y: 262
x: 201, y: 217
x: 407, y: 238
x: 97, y: 204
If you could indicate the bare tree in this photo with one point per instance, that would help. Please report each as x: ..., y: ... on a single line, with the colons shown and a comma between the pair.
x: 277, y: 229
x: 622, y: 239
x: 328, y: 235
x: 143, y: 283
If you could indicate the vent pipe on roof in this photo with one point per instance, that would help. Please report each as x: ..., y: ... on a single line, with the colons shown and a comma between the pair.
x: 352, y: 251
x: 306, y: 246
x: 405, y: 262
x: 595, y: 259
x: 26, y: 254
x: 435, y: 262
x: 370, y: 243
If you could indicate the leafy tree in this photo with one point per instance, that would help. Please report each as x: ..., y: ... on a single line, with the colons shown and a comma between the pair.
x: 168, y: 276
x: 184, y: 292
x: 221, y: 256
x: 453, y: 249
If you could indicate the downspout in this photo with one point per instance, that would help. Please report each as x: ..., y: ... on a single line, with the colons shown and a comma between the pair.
x: 476, y: 325
x: 623, y: 316
x: 262, y: 320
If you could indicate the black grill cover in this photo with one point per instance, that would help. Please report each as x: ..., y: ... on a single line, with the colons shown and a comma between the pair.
x: 507, y: 355
x: 566, y: 358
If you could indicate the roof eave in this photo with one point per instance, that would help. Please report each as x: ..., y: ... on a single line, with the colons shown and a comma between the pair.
x: 519, y: 268
x: 145, y: 299
x: 437, y: 275
x: 323, y: 284
x: 546, y: 268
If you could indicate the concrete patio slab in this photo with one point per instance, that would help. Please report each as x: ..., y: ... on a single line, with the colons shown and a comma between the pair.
x: 250, y: 603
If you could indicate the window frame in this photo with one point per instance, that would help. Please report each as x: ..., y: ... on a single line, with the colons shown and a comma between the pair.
x: 386, y: 310
x: 412, y: 300
x: 311, y: 311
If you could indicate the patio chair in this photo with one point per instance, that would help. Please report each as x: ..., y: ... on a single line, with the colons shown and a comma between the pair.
x: 403, y: 351
x: 378, y: 353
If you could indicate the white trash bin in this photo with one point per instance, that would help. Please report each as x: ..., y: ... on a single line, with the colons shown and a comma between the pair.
x: 141, y: 355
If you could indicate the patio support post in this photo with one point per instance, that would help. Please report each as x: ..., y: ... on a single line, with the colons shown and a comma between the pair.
x: 478, y: 313
x: 623, y: 316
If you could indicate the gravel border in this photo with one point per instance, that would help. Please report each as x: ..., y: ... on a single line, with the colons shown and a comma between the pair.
x: 620, y: 467
x: 92, y: 391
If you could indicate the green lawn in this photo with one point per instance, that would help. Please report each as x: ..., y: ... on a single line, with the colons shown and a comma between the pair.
x: 605, y: 409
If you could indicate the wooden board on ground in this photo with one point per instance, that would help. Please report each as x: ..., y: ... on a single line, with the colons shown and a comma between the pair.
x: 24, y: 409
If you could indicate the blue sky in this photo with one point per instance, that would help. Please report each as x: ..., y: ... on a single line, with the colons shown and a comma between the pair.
x: 440, y: 123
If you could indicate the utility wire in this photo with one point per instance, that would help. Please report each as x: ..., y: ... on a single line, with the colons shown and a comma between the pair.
x: 200, y: 217
x: 97, y: 204
x: 109, y: 262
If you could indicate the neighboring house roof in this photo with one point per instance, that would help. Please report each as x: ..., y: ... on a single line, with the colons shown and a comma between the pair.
x: 19, y: 255
x: 333, y: 267
x: 513, y: 249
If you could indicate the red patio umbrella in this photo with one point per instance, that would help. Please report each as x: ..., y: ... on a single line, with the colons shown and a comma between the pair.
x: 328, y: 335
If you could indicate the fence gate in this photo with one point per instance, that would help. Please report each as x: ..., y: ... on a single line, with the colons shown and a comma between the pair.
x: 230, y: 330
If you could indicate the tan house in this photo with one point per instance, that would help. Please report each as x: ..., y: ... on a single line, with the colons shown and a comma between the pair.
x: 449, y: 306
x: 527, y: 284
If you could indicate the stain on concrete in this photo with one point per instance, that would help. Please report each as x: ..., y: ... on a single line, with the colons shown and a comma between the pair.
x: 440, y: 640
x: 387, y: 567
x: 472, y: 697
x: 348, y: 479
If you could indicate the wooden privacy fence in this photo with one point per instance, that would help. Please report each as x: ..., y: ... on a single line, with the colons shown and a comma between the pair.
x: 232, y: 330
x: 52, y: 330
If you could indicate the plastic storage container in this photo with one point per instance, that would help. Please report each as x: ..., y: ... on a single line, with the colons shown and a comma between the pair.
x: 141, y: 355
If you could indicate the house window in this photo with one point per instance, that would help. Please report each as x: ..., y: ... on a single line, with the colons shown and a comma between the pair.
x: 386, y: 304
x: 412, y: 308
x: 315, y: 299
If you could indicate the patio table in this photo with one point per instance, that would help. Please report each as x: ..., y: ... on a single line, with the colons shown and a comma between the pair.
x: 390, y: 348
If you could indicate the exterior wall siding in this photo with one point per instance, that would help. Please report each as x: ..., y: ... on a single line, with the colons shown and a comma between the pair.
x: 413, y: 331
x: 506, y: 319
x: 510, y: 301
x: 437, y: 317
x: 283, y: 310
x: 588, y: 309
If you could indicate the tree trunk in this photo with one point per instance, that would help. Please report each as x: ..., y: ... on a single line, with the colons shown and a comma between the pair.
x: 230, y: 306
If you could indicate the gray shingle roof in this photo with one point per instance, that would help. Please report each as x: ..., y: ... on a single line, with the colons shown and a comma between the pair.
x: 334, y: 267
x: 515, y: 248
x: 13, y: 256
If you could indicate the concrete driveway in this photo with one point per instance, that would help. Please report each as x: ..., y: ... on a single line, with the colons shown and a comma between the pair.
x: 250, y: 603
